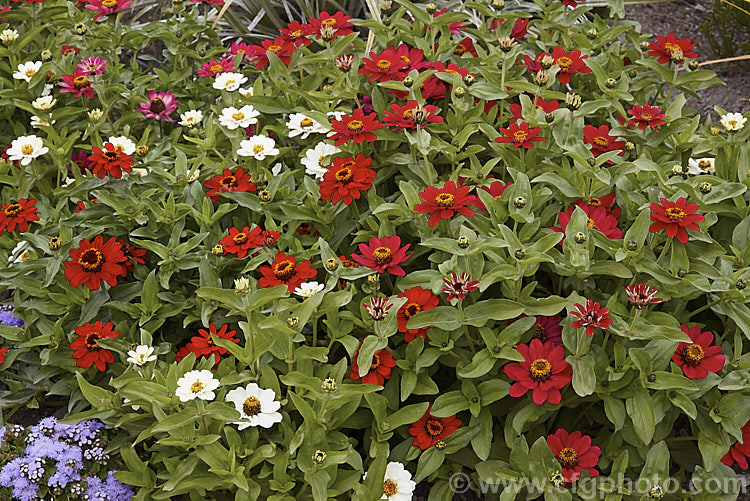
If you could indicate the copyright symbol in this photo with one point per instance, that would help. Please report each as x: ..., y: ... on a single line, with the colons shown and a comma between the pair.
x: 459, y: 482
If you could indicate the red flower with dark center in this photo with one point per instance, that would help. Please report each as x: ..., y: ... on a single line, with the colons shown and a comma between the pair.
x: 240, y: 241
x: 429, y: 429
x: 544, y: 371
x: 534, y: 65
x: 411, y: 116
x: 384, y: 66
x: 338, y: 21
x: 356, y: 127
x: 669, y: 46
x: 78, y: 84
x: 496, y: 189
x: 132, y: 255
x: 87, y: 351
x: 520, y: 136
x: 739, y: 451
x: 19, y: 214
x: 444, y: 202
x: 600, y: 140
x: 417, y: 300
x: 229, y: 181
x: 380, y: 368
x: 69, y: 49
x: 270, y: 237
x: 465, y: 46
x: 598, y: 219
x: 285, y: 271
x: 575, y: 453
x: 548, y: 329
x: 545, y: 106
x: 698, y: 358
x: 676, y: 217
x: 569, y: 63
x: 297, y: 33
x: 458, y: 286
x: 384, y: 255
x: 591, y: 316
x: 203, y: 345
x: 606, y: 201
x: 95, y: 261
x: 110, y: 160
x: 520, y: 27
x: 346, y: 179
x: 280, y: 46
x: 646, y: 116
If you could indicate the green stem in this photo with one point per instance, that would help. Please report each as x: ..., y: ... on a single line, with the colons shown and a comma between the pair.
x: 427, y: 168
x: 202, y: 410
x: 664, y: 250
x: 703, y: 308
x: 355, y: 210
x: 315, y: 333
x: 465, y: 327
x: 635, y: 319
x: 251, y: 340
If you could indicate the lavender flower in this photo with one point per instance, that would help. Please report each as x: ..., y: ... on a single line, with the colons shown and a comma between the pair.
x: 7, y: 318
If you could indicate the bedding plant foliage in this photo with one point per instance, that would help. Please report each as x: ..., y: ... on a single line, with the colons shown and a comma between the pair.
x: 373, y: 256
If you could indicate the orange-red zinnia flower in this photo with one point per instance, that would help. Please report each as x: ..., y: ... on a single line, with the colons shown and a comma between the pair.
x: 698, y: 358
x: 19, y: 214
x: 285, y: 271
x: 544, y: 371
x: 110, y: 160
x: 429, y: 429
x: 346, y: 179
x: 95, y: 261
x: 676, y: 217
x: 86, y: 351
x: 575, y: 453
x: 444, y: 202
x: 417, y: 300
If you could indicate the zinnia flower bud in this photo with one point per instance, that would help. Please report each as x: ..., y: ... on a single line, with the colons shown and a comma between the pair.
x: 218, y: 249
x: 592, y: 33
x: 96, y: 115
x: 740, y: 284
x: 519, y: 202
x: 572, y: 100
x: 55, y: 243
x: 610, y: 83
x: 498, y: 4
x: 344, y: 62
x: 547, y: 62
x: 242, y: 286
x: 265, y: 196
x: 332, y: 264
x: 329, y: 385
x: 385, y: 7
x: 705, y: 187
x: 292, y: 322
x: 470, y: 80
x: 430, y: 8
x: 580, y: 237
x: 459, y: 92
x: 463, y: 241
x: 46, y: 55
x: 328, y: 33
x: 319, y: 456
x: 81, y: 28
x: 440, y: 445
x: 519, y: 253
x: 541, y: 77
x: 141, y: 150
x: 506, y: 43
x: 693, y: 65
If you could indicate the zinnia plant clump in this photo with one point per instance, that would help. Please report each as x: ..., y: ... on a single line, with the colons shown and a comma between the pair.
x: 359, y: 255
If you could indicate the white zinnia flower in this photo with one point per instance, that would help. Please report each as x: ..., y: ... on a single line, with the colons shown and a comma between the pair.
x: 37, y: 122
x: 317, y: 158
x: 141, y: 355
x: 200, y: 384
x: 336, y: 115
x: 8, y: 36
x: 698, y: 166
x: 47, y: 90
x: 307, y: 289
x: 229, y: 81
x: 194, y: 176
x: 231, y: 117
x: 191, y: 118
x: 246, y: 92
x: 258, y: 147
x: 139, y: 172
x: 19, y: 254
x: 27, y: 70
x: 732, y: 122
x: 397, y: 485
x: 26, y: 149
x: 44, y: 103
x: 301, y: 124
x: 126, y: 145
x: 257, y: 407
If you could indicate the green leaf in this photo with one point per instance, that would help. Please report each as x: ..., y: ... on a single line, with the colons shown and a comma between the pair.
x: 669, y: 381
x: 641, y: 410
x: 584, y: 378
x: 428, y: 463
x: 442, y: 317
x: 478, y: 314
x: 97, y: 396
x: 407, y: 414
x: 449, y: 404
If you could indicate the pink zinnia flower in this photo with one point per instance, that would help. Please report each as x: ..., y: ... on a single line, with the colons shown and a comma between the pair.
x: 93, y: 66
x: 383, y: 255
x: 78, y: 84
x: 591, y: 317
x: 159, y: 106
x: 213, y: 68
x: 107, y: 7
x: 241, y: 48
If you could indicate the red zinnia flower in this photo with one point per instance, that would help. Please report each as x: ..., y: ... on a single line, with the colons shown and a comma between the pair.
x: 239, y: 242
x: 606, y: 201
x: 568, y: 63
x: 280, y: 46
x: 545, y: 106
x: 520, y: 27
x: 346, y: 179
x: 204, y: 346
x: 591, y: 317
x: 544, y: 371
x: 355, y: 127
x: 19, y: 214
x: 69, y: 49
x: 548, y: 329
x: 698, y: 358
x: 110, y: 160
x: 599, y: 218
x: 240, y: 49
x: 534, y: 65
x: 520, y: 136
x: 87, y: 351
x: 380, y: 368
x: 572, y: 3
x: 666, y: 47
x: 383, y: 255
x: 642, y: 295
x: 417, y: 300
x: 77, y: 83
x: 740, y: 451
x: 646, y: 116
x: 411, y: 116
x: 285, y: 271
x: 383, y: 66
x: 270, y: 237
x: 446, y: 201
x: 297, y: 33
x: 132, y: 255
x: 228, y: 181
x: 338, y: 21
x: 676, y: 217
x: 413, y: 58
x: 3, y: 351
x: 465, y: 46
x: 95, y: 261
x: 213, y: 68
x: 452, y: 68
x: 575, y: 453
x: 429, y: 429
x: 600, y: 140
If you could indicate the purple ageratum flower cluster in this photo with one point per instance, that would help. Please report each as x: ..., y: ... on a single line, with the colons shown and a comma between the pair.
x: 56, y: 455
x: 8, y: 318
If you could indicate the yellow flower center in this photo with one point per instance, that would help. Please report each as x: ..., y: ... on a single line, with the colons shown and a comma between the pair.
x: 564, y: 63
x: 196, y: 387
x: 568, y: 458
x: 80, y: 82
x: 229, y: 182
x: 109, y: 3
x: 693, y: 355
x: 412, y: 309
x: 30, y: 72
x: 601, y: 141
x: 238, y: 116
x: 251, y: 406
x: 355, y: 126
x: 671, y: 47
x: 91, y: 260
x: 382, y: 255
x: 240, y: 238
x: 540, y: 369
x: 258, y: 148
x: 112, y: 156
x: 90, y: 342
x: 306, y: 122
x: 283, y: 270
x: 27, y: 149
x: 295, y: 33
x: 704, y: 164
x: 675, y: 214
x: 375, y: 361
x: 157, y: 105
x: 328, y: 22
x: 390, y: 488
x: 384, y: 65
x: 540, y: 333
x: 444, y: 199
x: 590, y: 223
x: 407, y: 114
x: 344, y: 175
x: 520, y: 136
x: 594, y: 202
x: 274, y: 48
x: 216, y: 68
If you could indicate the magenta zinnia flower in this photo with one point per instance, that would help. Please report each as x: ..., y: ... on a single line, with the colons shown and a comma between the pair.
x: 78, y: 84
x: 93, y: 66
x: 107, y: 7
x: 384, y: 255
x: 591, y: 316
x: 159, y: 106
x: 213, y: 68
